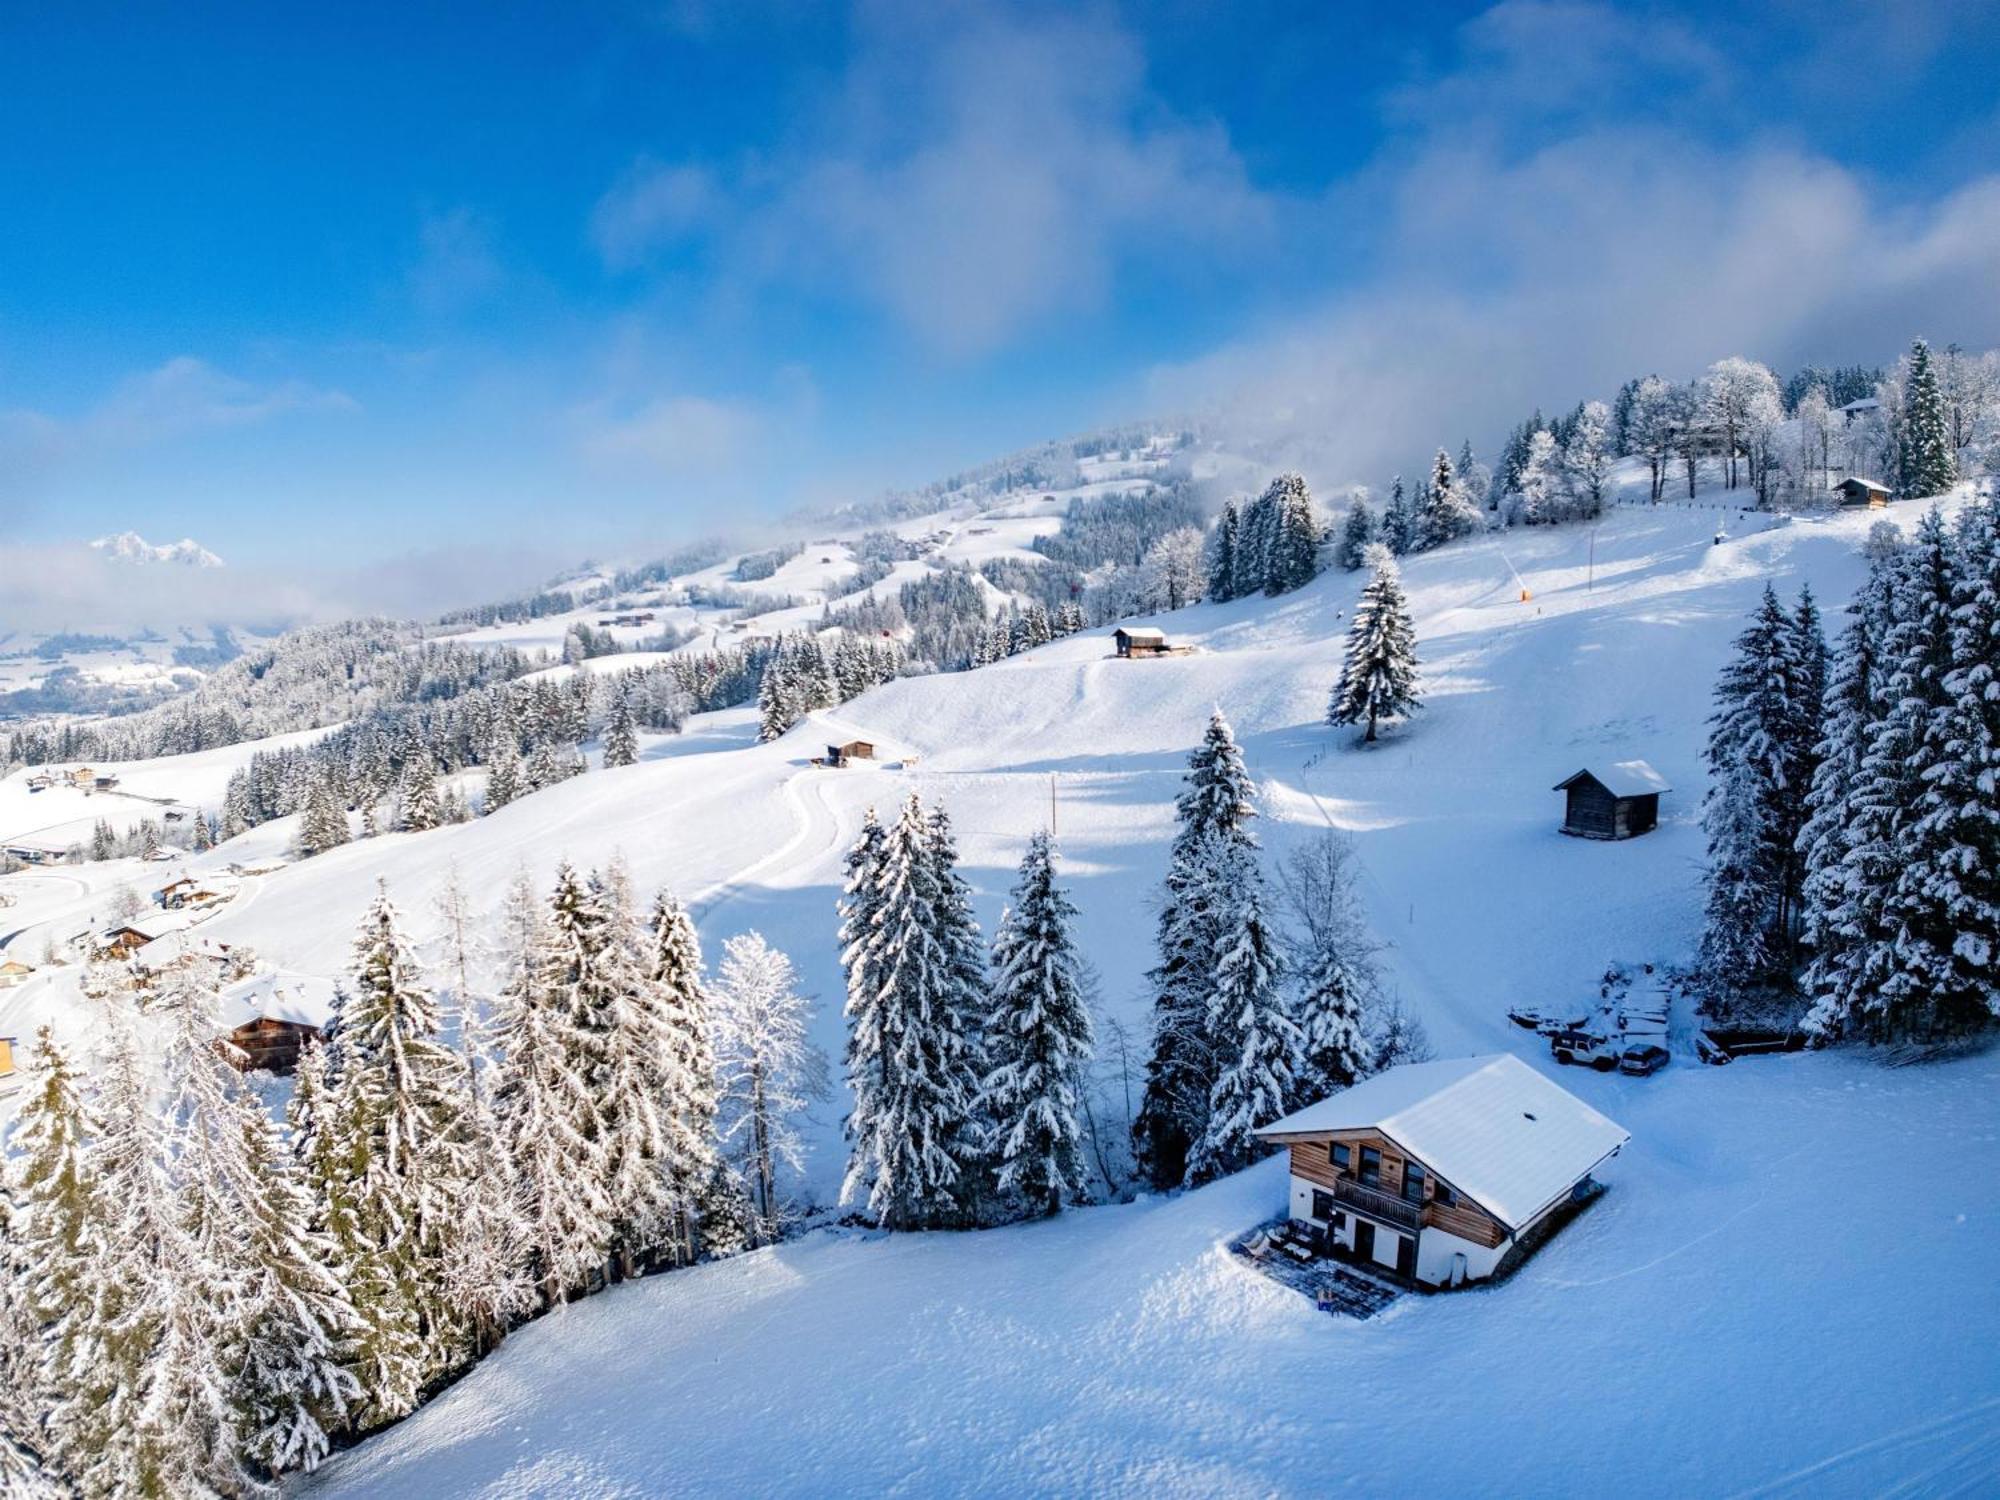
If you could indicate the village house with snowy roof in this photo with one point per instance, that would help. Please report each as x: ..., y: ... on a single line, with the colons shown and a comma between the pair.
x: 1443, y: 1173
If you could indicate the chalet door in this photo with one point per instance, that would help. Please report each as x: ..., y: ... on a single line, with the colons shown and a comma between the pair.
x: 1406, y: 1255
x: 1364, y: 1240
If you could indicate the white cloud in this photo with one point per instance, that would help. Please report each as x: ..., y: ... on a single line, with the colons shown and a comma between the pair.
x: 652, y: 205
x: 667, y: 437
x: 976, y: 176
x: 1523, y: 269
x: 457, y: 263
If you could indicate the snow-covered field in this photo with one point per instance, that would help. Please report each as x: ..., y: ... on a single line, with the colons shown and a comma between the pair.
x: 1780, y: 1233
x: 1785, y: 1293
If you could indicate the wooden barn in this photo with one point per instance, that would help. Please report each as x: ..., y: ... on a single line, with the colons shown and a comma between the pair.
x: 1443, y: 1173
x: 1617, y: 801
x: 1140, y: 640
x: 1861, y: 494
x: 840, y: 755
x: 270, y: 1017
x: 13, y: 972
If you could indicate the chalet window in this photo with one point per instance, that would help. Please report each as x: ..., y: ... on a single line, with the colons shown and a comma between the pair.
x: 1413, y: 1182
x: 1322, y: 1206
x: 1371, y: 1166
x: 1338, y: 1155
x: 1441, y: 1193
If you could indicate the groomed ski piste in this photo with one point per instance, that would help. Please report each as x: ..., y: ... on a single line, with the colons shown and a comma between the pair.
x: 1779, y: 1235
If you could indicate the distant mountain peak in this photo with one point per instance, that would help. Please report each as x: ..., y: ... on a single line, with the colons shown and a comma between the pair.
x: 129, y: 546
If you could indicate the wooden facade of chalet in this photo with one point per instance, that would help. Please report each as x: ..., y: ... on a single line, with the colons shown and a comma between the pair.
x: 122, y: 942
x: 8, y: 1066
x: 268, y: 1045
x: 1364, y: 1184
x: 1621, y: 801
x: 13, y: 972
x: 1444, y: 1173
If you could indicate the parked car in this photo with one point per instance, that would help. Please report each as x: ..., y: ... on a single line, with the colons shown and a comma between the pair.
x: 1583, y: 1047
x: 1640, y: 1061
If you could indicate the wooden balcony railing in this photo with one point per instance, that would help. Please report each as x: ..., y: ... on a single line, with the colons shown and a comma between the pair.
x: 1378, y: 1204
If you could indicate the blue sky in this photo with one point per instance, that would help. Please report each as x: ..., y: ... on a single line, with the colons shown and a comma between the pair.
x: 343, y: 294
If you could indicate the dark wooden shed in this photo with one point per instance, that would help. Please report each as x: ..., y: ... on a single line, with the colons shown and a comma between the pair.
x: 1617, y: 801
x: 1861, y: 493
x: 1140, y: 640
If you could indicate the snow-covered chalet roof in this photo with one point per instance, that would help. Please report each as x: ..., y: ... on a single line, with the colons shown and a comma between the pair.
x: 1866, y: 403
x: 176, y: 945
x: 1623, y: 778
x: 1492, y: 1127
x: 1866, y: 484
x: 1140, y: 633
x: 299, y: 998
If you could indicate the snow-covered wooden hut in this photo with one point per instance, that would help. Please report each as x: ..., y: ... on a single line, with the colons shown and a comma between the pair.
x: 269, y: 1017
x: 1620, y: 800
x: 1443, y: 1172
x: 1139, y: 640
x: 13, y: 972
x: 1857, y: 493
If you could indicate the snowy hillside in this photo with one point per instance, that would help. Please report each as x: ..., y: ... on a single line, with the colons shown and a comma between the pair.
x: 1120, y: 1348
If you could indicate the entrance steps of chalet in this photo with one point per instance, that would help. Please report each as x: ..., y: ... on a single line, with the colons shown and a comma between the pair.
x: 1276, y: 1249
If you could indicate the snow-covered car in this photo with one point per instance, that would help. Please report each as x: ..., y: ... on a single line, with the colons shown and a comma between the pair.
x: 1640, y: 1061
x: 1583, y: 1047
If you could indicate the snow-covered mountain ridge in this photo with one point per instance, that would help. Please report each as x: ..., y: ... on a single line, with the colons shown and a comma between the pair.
x: 129, y: 546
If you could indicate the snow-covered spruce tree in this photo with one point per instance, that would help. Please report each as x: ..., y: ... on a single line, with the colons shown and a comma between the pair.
x: 1841, y: 894
x: 1941, y: 907
x: 160, y: 1422
x: 280, y: 1328
x: 1399, y: 521
x: 1330, y: 954
x: 681, y: 1076
x: 912, y: 1057
x: 1378, y: 679
x: 547, y: 1097
x: 485, y: 1263
x: 327, y: 1149
x: 767, y: 1071
x: 1213, y: 811
x: 1332, y: 1038
x: 323, y: 821
x: 1884, y: 982
x: 1257, y: 1046
x: 1761, y: 755
x: 56, y: 1226
x: 419, y: 794
x: 621, y: 731
x: 1586, y: 458
x: 1449, y: 510
x: 1292, y: 558
x: 503, y: 770
x: 1540, y: 484
x: 1930, y: 464
x: 1222, y: 554
x: 1031, y: 1099
x: 400, y: 1091
x: 1356, y: 532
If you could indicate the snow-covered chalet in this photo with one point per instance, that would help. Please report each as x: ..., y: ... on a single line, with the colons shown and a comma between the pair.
x: 1442, y: 1171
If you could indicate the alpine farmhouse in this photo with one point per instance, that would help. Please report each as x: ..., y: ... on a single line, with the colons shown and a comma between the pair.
x: 1443, y: 1172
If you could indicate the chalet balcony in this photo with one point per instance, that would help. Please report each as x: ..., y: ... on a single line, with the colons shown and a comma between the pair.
x: 1376, y: 1204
